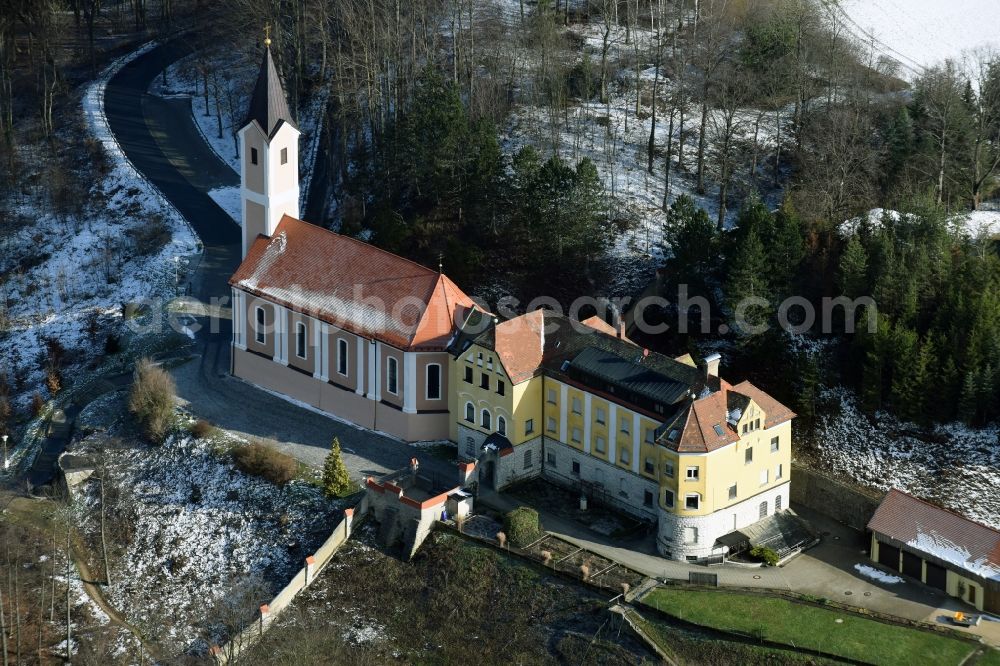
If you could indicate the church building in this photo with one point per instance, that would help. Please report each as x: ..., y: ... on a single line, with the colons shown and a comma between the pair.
x: 325, y: 319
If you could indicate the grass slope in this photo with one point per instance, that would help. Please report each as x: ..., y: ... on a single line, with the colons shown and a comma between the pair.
x: 808, y: 627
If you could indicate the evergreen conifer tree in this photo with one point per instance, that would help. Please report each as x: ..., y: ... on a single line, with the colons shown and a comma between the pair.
x: 852, y: 277
x: 336, y: 478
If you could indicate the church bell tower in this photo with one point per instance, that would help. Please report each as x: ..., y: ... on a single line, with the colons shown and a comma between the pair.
x: 269, y: 156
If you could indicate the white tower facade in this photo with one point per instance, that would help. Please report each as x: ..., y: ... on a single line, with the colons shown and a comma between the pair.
x: 269, y: 163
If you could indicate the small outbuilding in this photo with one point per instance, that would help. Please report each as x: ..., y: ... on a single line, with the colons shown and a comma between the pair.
x: 939, y: 548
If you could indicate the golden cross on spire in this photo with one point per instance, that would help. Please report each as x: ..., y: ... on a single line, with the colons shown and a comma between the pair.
x: 267, y: 35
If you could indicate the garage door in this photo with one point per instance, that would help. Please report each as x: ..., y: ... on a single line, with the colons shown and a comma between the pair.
x: 936, y: 576
x: 912, y: 565
x: 888, y: 556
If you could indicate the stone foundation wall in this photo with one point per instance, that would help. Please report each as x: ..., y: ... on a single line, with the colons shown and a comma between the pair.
x: 843, y: 502
x: 511, y: 468
x: 672, y: 538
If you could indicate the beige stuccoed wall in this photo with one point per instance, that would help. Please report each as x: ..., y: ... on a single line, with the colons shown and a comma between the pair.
x: 306, y: 364
x: 422, y: 403
x: 283, y: 177
x: 411, y: 427
x: 385, y: 353
x: 350, y: 380
x: 339, y: 402
x: 253, y: 221
x: 251, y: 317
x: 253, y: 138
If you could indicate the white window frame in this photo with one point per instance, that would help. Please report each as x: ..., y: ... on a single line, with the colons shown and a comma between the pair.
x: 697, y: 501
x: 669, y: 469
x: 343, y: 357
x: 775, y: 444
x: 260, y: 324
x: 427, y: 381
x: 692, y: 477
x: 391, y: 366
x: 301, y: 336
x: 765, y: 476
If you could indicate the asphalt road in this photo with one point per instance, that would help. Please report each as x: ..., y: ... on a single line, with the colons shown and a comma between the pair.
x: 160, y: 138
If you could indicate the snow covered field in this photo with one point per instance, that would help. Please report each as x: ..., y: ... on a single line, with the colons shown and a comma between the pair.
x: 199, y: 534
x: 922, y: 33
x: 955, y: 467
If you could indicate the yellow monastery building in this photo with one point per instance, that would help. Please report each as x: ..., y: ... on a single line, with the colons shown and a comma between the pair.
x: 393, y: 346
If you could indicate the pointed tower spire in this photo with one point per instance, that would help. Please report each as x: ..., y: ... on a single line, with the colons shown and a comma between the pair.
x: 268, y: 104
x: 269, y: 155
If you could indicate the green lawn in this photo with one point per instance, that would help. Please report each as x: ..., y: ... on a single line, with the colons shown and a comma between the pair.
x: 808, y: 627
x: 989, y: 658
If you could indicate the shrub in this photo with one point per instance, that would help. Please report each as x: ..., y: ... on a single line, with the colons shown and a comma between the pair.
x: 37, y: 404
x: 765, y: 555
x: 521, y: 526
x: 201, y: 429
x: 53, y: 379
x: 152, y: 400
x: 268, y: 463
x: 336, y: 478
x: 151, y: 237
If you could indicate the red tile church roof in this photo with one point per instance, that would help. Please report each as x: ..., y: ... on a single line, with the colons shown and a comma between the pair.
x: 353, y: 286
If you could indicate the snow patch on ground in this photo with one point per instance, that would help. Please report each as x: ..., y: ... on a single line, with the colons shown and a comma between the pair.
x: 85, y: 265
x: 953, y: 466
x: 229, y: 200
x: 201, y: 533
x: 922, y: 33
x: 974, y: 224
x: 877, y: 575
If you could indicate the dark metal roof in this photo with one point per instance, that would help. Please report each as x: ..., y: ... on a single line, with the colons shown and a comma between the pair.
x: 268, y: 104
x: 632, y: 375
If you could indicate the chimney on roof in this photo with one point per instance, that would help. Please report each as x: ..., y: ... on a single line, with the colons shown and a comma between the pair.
x: 617, y: 321
x: 711, y: 365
